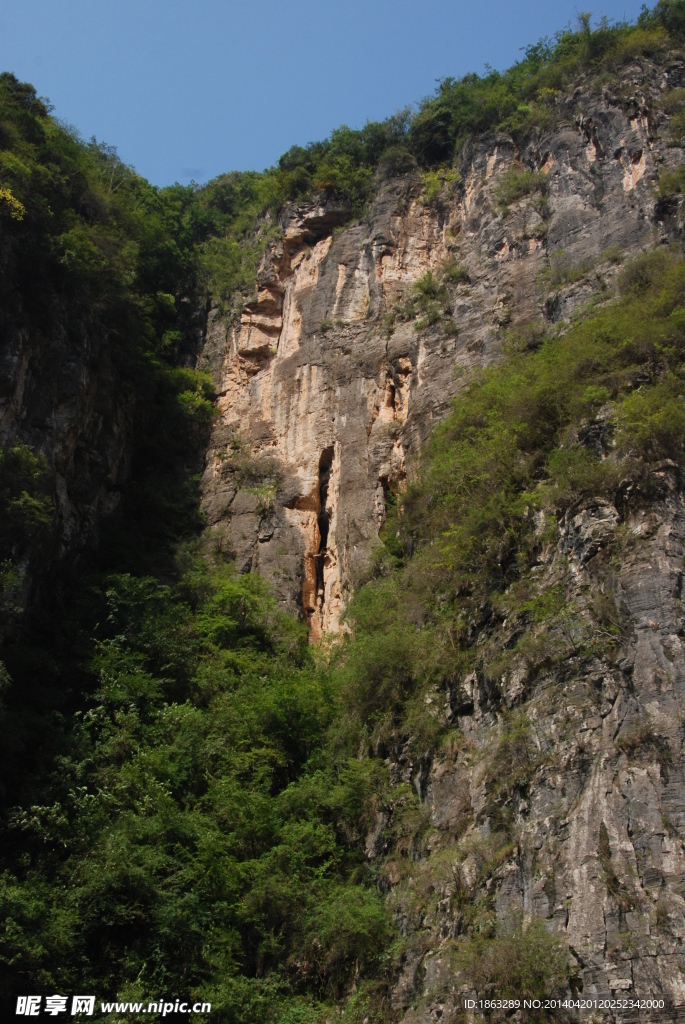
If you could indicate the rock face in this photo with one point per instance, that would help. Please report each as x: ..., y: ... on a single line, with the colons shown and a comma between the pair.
x: 62, y: 395
x: 328, y: 386
x: 597, y: 813
x: 328, y: 389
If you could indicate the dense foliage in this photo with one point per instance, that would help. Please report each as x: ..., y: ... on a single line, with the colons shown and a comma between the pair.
x: 190, y: 834
x: 170, y: 823
x: 347, y: 166
x: 527, y: 96
x: 96, y: 224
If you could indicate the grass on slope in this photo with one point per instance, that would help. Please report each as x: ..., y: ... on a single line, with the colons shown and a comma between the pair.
x: 521, y: 443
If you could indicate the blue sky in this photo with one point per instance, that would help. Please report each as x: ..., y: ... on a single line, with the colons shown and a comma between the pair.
x: 191, y: 88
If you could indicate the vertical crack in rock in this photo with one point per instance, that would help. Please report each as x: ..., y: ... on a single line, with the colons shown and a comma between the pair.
x: 382, y: 501
x: 321, y: 598
x: 323, y: 523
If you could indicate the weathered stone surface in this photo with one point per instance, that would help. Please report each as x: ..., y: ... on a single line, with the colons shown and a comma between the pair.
x: 588, y: 528
x: 323, y: 401
x: 599, y: 839
x: 315, y: 375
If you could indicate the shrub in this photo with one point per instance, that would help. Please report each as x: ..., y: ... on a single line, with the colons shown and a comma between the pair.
x: 514, y: 759
x: 10, y: 204
x: 396, y: 161
x: 641, y: 738
x: 435, y: 181
x: 645, y: 271
x: 454, y: 273
x: 528, y: 963
x: 429, y: 301
x: 641, y: 42
x: 339, y: 178
x: 671, y: 15
x: 228, y: 267
x: 674, y: 101
x: 561, y: 271
x: 349, y: 929
x: 26, y: 513
x: 671, y: 183
x: 25, y: 508
x: 614, y: 254
x: 516, y: 183
x: 676, y: 128
x: 652, y: 423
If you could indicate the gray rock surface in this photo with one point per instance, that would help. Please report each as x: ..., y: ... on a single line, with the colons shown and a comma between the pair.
x: 326, y: 393
x: 598, y: 848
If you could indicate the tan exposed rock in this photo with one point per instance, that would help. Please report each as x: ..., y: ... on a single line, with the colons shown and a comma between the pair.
x: 315, y: 365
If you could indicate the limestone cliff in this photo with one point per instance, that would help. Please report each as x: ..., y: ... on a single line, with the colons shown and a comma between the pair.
x: 327, y: 393
x: 358, y: 337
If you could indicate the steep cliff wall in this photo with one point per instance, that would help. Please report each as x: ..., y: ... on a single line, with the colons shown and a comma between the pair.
x: 94, y: 327
x: 523, y: 814
x: 328, y: 386
x: 60, y: 394
x: 327, y: 391
x: 587, y: 833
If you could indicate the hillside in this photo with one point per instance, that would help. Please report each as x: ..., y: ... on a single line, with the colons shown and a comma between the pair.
x: 342, y: 541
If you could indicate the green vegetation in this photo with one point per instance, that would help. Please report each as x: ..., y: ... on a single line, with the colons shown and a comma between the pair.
x: 435, y: 182
x: 674, y: 104
x: 454, y: 563
x: 174, y: 814
x: 560, y: 271
x: 671, y: 183
x: 517, y: 183
x: 428, y: 301
x: 109, y: 227
x: 527, y: 963
x: 25, y: 513
x: 526, y: 95
x: 190, y: 830
x: 514, y: 759
x: 454, y: 273
x: 11, y: 205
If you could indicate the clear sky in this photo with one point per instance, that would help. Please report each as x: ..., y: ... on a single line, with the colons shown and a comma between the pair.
x: 187, y: 89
